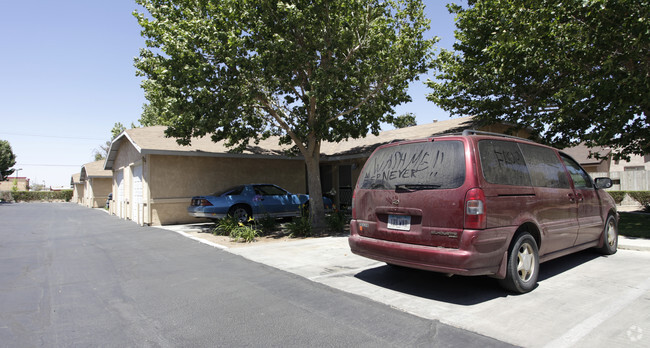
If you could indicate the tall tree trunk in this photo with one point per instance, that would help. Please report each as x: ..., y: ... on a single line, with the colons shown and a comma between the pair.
x: 316, y: 206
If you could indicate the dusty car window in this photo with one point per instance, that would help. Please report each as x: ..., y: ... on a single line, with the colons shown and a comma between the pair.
x: 269, y: 190
x: 426, y: 165
x: 580, y: 178
x: 545, y: 167
x: 503, y: 163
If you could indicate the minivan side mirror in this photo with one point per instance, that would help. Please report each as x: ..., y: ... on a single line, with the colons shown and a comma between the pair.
x: 603, y: 183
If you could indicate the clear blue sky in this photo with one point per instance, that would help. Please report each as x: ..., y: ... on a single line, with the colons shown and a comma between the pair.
x: 67, y: 76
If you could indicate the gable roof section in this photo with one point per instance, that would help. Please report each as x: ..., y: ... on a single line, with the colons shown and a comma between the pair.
x: 75, y: 179
x: 94, y: 170
x: 152, y: 140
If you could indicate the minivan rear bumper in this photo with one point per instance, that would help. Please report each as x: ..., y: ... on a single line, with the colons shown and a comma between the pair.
x: 482, y: 252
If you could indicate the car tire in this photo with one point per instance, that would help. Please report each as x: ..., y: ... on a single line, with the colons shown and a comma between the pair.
x: 241, y: 212
x: 610, y: 236
x: 522, y: 269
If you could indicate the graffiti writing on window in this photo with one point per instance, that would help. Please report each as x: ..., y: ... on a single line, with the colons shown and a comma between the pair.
x: 405, y: 165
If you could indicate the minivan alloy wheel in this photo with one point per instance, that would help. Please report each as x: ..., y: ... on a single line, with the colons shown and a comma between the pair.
x: 522, y: 268
x: 526, y: 264
x: 611, y: 232
x: 610, y: 236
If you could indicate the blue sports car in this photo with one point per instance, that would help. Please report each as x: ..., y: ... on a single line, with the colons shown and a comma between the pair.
x: 246, y: 201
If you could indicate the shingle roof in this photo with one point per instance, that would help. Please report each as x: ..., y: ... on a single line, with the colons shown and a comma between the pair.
x: 152, y: 140
x: 75, y: 179
x: 370, y: 142
x: 94, y: 170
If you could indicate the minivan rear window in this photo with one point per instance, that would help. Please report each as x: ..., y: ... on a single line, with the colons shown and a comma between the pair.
x: 425, y: 165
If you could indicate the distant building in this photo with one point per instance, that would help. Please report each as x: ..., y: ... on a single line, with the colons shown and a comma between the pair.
x: 21, y: 182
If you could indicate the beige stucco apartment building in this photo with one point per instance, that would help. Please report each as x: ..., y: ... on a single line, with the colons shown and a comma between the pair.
x: 22, y: 183
x: 154, y: 178
x: 97, y: 184
x: 77, y: 188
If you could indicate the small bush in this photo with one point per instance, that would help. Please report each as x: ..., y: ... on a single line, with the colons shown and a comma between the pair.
x: 299, y: 227
x: 225, y: 226
x: 244, y: 233
x: 336, y: 222
x: 642, y: 197
x: 267, y: 223
x: 617, y: 195
x: 40, y: 196
x: 5, y: 196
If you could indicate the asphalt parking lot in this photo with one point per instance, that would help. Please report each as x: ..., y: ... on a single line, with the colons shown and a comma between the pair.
x: 582, y: 300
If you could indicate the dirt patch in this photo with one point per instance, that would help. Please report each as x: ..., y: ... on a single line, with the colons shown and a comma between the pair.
x: 280, y: 236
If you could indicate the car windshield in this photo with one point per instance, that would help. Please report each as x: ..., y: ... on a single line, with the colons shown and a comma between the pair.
x: 416, y: 166
x: 232, y: 191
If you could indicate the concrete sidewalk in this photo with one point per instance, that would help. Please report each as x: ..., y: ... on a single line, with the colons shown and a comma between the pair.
x: 629, y: 243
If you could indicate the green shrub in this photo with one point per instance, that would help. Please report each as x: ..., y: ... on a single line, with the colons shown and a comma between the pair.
x: 40, y: 196
x: 642, y: 197
x: 617, y: 195
x: 336, y: 222
x: 244, y: 233
x: 5, y: 196
x: 299, y: 227
x: 267, y: 223
x: 225, y: 226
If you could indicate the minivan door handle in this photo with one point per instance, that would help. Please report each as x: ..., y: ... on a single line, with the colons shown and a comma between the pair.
x: 580, y: 197
x: 572, y: 198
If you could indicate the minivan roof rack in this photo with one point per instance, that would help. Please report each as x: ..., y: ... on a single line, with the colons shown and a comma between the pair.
x: 478, y: 132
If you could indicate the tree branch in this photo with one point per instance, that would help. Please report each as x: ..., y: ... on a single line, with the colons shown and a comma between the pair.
x: 363, y: 101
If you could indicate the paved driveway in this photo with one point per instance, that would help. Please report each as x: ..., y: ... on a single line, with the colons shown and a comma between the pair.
x: 76, y: 277
x: 583, y: 300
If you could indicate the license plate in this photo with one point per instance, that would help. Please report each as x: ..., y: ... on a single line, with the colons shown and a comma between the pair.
x: 399, y: 222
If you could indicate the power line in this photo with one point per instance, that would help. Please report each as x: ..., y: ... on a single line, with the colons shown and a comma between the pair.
x: 48, y: 165
x: 49, y: 136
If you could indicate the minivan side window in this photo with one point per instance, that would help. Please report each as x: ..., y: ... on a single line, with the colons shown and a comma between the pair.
x: 503, y: 163
x: 580, y: 178
x: 545, y: 167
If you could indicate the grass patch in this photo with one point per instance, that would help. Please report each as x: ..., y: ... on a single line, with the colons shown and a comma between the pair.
x: 634, y: 225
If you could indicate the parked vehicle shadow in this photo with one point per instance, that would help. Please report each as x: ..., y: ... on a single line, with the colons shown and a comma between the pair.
x: 460, y: 290
x: 552, y: 268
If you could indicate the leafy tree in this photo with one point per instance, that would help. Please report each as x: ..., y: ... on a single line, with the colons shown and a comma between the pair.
x: 306, y: 71
x: 575, y: 70
x: 7, y: 159
x: 403, y: 121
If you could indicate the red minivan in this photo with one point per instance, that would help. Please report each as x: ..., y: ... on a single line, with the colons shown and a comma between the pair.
x: 479, y: 204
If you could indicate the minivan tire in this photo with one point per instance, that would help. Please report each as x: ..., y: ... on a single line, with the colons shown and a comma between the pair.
x: 522, y: 269
x: 610, y: 236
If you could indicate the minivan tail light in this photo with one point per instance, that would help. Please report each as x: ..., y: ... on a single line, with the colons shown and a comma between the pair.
x: 475, y: 215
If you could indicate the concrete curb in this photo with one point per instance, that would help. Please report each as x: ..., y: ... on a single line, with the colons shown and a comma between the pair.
x: 629, y: 243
